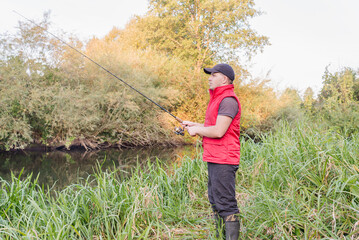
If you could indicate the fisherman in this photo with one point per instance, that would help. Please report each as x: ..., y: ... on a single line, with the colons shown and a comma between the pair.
x: 221, y: 147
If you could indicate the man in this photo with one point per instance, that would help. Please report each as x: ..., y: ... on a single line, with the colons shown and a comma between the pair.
x: 221, y: 146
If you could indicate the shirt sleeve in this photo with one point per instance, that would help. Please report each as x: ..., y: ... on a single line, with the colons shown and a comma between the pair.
x: 228, y: 107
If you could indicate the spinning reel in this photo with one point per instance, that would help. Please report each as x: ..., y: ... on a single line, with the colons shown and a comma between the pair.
x: 179, y: 131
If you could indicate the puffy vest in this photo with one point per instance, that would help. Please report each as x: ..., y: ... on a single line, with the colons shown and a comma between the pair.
x: 224, y: 150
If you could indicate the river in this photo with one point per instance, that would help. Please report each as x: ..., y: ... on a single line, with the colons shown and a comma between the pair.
x: 58, y: 169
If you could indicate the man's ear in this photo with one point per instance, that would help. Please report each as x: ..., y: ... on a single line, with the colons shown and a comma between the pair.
x: 225, y: 80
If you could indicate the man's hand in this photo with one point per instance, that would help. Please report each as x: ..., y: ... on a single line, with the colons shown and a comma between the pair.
x: 192, y: 130
x: 216, y: 131
x: 190, y: 124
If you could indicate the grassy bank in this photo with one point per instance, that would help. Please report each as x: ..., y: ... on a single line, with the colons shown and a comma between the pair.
x: 300, y: 182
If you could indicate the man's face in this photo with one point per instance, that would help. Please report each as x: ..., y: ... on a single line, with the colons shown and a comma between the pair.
x: 216, y: 80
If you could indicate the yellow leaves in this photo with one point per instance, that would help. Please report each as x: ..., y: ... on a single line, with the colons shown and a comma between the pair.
x: 258, y: 102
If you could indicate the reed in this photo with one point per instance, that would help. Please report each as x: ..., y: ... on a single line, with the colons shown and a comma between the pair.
x: 299, y: 182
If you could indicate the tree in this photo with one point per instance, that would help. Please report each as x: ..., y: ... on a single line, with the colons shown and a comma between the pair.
x: 341, y: 87
x: 308, y: 99
x: 198, y: 31
x: 339, y: 100
x: 290, y: 97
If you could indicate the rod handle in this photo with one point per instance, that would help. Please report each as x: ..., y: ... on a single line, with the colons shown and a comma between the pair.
x: 179, y: 120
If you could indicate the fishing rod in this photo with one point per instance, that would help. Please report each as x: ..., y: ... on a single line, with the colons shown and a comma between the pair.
x: 177, y: 130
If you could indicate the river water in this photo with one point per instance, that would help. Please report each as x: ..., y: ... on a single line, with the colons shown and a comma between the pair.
x: 58, y: 169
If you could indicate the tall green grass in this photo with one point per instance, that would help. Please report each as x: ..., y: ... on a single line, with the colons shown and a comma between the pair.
x: 156, y: 202
x: 300, y: 182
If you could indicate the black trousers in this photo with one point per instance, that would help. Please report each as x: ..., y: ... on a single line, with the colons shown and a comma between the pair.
x: 221, y: 188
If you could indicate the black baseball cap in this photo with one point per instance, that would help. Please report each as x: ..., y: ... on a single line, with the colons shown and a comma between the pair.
x: 222, y: 68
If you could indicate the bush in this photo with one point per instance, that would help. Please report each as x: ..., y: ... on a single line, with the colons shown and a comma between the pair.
x: 343, y: 119
x: 58, y: 99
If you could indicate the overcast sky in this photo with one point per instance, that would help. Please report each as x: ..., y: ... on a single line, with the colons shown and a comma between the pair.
x: 306, y: 35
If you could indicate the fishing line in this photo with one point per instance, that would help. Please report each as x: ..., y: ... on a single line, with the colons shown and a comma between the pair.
x: 177, y: 130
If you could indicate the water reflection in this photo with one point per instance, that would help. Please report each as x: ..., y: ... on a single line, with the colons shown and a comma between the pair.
x: 64, y: 168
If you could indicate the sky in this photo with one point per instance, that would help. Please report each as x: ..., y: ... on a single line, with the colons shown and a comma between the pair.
x: 306, y: 36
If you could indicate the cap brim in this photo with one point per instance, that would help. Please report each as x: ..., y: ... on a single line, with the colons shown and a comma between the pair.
x: 209, y: 70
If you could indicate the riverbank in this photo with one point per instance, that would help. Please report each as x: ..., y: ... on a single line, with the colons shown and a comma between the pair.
x: 300, y: 182
x: 93, y: 145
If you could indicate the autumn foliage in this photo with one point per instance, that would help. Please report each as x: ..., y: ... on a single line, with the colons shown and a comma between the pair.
x: 54, y: 96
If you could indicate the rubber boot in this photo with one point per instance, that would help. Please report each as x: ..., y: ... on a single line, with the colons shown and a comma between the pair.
x: 232, y: 227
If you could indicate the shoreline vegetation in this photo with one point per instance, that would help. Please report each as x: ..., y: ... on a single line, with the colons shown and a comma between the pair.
x: 53, y: 96
x: 89, y: 145
x: 299, y: 182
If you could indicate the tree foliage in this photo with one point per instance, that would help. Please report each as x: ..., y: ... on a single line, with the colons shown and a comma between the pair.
x: 338, y: 101
x: 65, y: 98
x: 199, y: 32
x: 61, y: 98
x: 341, y: 87
x: 291, y: 97
x: 308, y: 100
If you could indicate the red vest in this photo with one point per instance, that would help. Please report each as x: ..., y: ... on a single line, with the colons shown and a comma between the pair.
x: 224, y: 150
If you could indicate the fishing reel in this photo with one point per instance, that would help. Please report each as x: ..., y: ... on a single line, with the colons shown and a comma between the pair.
x: 179, y: 131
